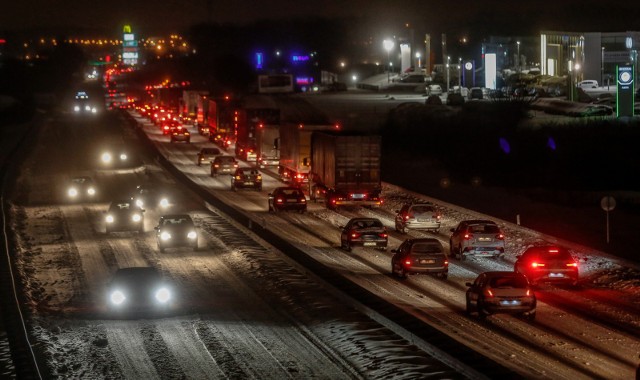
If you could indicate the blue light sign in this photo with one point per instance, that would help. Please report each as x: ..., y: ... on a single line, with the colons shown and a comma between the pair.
x: 300, y: 58
x: 259, y: 60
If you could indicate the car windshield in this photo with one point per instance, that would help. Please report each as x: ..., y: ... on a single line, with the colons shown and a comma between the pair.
x: 123, y: 206
x: 225, y: 160
x: 210, y: 151
x: 484, y: 229
x: 426, y: 248
x: 176, y: 221
x: 137, y: 275
x: 508, y: 282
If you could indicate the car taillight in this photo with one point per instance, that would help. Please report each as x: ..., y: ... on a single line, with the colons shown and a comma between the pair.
x: 407, y: 262
x: 468, y: 236
x: 259, y: 177
x: 488, y: 293
x: 216, y: 165
x: 302, y: 200
x: 383, y: 235
x: 354, y: 235
x: 238, y: 177
x: 406, y: 217
x: 528, y: 292
x: 446, y: 262
x: 500, y: 236
x: 279, y: 200
x: 537, y: 265
x: 235, y: 165
x: 572, y: 264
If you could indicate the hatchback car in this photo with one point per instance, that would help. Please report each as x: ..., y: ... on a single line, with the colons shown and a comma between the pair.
x: 207, y: 155
x: 364, y: 232
x: 548, y: 264
x: 420, y: 256
x: 81, y: 189
x: 223, y: 165
x: 139, y: 289
x: 419, y: 216
x: 476, y: 238
x: 246, y: 178
x: 287, y: 198
x: 180, y: 134
x: 176, y: 230
x: 501, y: 292
x: 124, y: 215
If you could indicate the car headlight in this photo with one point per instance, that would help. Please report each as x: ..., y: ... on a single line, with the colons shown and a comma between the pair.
x: 117, y: 297
x: 164, y: 202
x: 87, y: 108
x: 192, y: 235
x: 73, y: 192
x: 165, y: 236
x: 139, y: 203
x: 123, y: 156
x: 94, y: 110
x: 76, y: 108
x: 109, y: 219
x: 136, y: 217
x: 91, y: 191
x: 163, y: 295
x: 106, y: 157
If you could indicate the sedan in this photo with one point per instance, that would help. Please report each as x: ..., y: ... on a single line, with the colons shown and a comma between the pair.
x: 180, y: 134
x: 81, y: 188
x: 420, y: 256
x: 176, y: 230
x: 287, y: 198
x: 246, y: 178
x: 124, y: 215
x: 364, y: 232
x: 139, y: 289
x: 549, y: 264
x: 501, y: 292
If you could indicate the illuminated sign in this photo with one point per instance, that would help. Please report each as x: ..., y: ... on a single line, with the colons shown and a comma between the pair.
x: 259, y: 60
x: 129, y: 55
x: 126, y: 29
x: 304, y: 80
x: 490, y: 71
x: 468, y: 66
x: 625, y: 91
x: 128, y: 37
x: 300, y: 58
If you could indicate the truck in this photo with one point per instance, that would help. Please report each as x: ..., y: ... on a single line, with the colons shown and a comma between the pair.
x: 249, y: 121
x: 189, y: 105
x: 345, y: 169
x: 268, y: 145
x: 295, y: 151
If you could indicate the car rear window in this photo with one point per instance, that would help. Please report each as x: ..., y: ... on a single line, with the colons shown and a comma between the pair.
x: 367, y: 224
x: 421, y: 209
x: 225, y: 160
x: 291, y: 192
x: 484, y: 228
x: 508, y: 282
x: 426, y: 248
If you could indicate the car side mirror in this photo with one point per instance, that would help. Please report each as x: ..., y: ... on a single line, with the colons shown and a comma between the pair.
x: 157, y: 228
x: 341, y: 227
x: 394, y: 251
x: 518, y: 256
x: 468, y: 284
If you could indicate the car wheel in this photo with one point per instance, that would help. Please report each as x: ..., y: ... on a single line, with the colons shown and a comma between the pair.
x: 402, y: 273
x: 347, y: 247
x: 530, y: 316
x: 482, y: 314
x: 459, y: 254
x: 195, y: 248
x: 443, y: 275
x: 469, y: 309
x: 234, y: 188
x: 161, y: 249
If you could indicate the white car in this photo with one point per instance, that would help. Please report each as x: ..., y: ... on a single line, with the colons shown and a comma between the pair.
x: 434, y: 89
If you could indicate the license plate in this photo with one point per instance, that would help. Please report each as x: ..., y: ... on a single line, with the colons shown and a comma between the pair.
x: 557, y: 275
x: 357, y: 196
x: 291, y: 201
x: 423, y: 220
x: 370, y: 244
x: 484, y: 239
x: 427, y: 261
x: 510, y: 302
x: 248, y: 183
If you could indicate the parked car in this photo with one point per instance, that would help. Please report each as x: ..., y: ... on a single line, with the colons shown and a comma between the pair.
x: 364, y: 232
x: 139, y: 289
x: 434, y: 89
x: 501, y: 292
x: 595, y: 110
x: 223, y: 165
x: 287, y: 198
x: 476, y: 238
x: 180, y: 134
x: 548, y: 263
x: 588, y: 84
x: 476, y: 93
x: 420, y: 256
x: 418, y: 216
x: 81, y: 188
x: 244, y: 178
x: 176, y: 230
x: 124, y: 215
x: 207, y: 155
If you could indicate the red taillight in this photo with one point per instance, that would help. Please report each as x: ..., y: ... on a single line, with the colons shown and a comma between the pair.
x: 528, y: 293
x: 303, y: 200
x: 488, y: 293
x: 438, y: 216
x: 354, y: 235
x: 468, y: 236
x: 406, y: 217
x: 446, y: 262
x: 553, y: 250
x: 500, y: 236
x: 235, y: 165
x: 279, y: 200
x: 384, y: 235
x: 407, y: 262
x: 537, y: 265
x: 573, y: 264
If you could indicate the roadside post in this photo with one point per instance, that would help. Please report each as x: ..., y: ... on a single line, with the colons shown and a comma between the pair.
x: 608, y: 203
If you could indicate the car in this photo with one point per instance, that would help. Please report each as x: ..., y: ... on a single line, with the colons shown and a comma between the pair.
x: 150, y: 196
x: 82, y: 104
x: 501, y: 292
x: 179, y: 133
x: 548, y: 264
x: 476, y: 93
x: 244, y: 178
x: 364, y: 232
x: 246, y: 152
x: 167, y: 124
x: 115, y: 157
x: 124, y: 215
x: 287, y: 198
x: 223, y: 165
x: 207, y: 155
x: 417, y: 216
x: 434, y: 89
x: 224, y: 140
x: 420, y: 256
x: 176, y: 230
x: 139, y: 289
x: 595, y: 110
x: 81, y: 188
x: 476, y: 238
x: 587, y: 84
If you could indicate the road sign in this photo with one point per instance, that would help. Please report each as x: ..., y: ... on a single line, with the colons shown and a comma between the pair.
x: 608, y: 203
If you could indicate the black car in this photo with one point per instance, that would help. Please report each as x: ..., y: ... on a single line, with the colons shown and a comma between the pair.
x: 207, y: 155
x: 246, y: 178
x: 223, y: 165
x: 139, y: 289
x: 179, y: 133
x: 420, y: 256
x: 146, y: 196
x: 501, y: 292
x: 364, y: 232
x: 81, y: 189
x: 124, y: 215
x: 176, y: 230
x: 550, y: 264
x: 287, y: 198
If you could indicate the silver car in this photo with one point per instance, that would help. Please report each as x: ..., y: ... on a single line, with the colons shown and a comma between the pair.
x: 476, y: 238
x: 419, y: 216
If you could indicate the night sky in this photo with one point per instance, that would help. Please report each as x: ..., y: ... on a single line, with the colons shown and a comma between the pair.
x: 498, y: 17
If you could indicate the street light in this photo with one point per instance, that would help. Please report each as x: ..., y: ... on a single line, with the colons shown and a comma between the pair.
x: 518, y: 58
x: 419, y: 62
x: 460, y: 74
x: 388, y: 45
x: 602, y: 68
x: 448, y: 60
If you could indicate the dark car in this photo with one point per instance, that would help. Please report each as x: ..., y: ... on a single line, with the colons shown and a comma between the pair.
x: 223, y: 165
x: 180, y: 134
x: 501, y: 292
x: 419, y: 216
x: 246, y: 152
x: 81, y: 189
x: 364, y: 232
x: 548, y: 264
x: 246, y: 178
x: 476, y: 238
x: 167, y: 125
x: 116, y: 157
x: 146, y: 196
x: 139, y: 289
x: 207, y: 155
x: 287, y: 198
x: 176, y: 230
x: 420, y: 256
x: 124, y: 215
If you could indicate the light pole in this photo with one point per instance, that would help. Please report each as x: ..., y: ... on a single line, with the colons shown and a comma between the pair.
x: 518, y: 57
x: 388, y: 45
x: 460, y: 74
x: 448, y: 60
x: 602, y: 68
x: 419, y: 62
